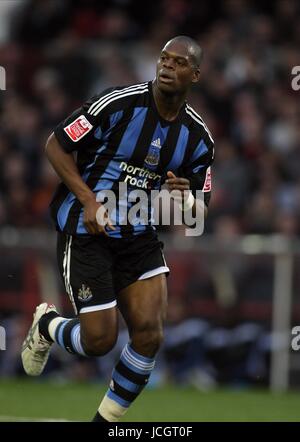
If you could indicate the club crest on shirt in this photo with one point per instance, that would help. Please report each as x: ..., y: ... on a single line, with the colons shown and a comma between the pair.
x: 84, y: 293
x: 152, y: 159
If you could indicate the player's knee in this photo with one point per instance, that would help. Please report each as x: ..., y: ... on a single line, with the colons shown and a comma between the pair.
x: 98, y: 346
x: 148, y: 341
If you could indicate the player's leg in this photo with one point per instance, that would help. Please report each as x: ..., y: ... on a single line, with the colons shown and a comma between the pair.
x: 85, y: 267
x: 143, y: 305
x: 91, y: 334
x: 86, y: 336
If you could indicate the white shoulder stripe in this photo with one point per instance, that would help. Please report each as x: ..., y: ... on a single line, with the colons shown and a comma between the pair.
x: 198, y: 117
x: 97, y: 103
x: 103, y: 105
x: 199, y: 120
x: 194, y: 112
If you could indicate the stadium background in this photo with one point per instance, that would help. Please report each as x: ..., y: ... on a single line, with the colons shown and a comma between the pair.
x: 234, y: 292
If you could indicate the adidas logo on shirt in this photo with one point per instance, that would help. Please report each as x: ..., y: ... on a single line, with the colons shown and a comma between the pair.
x: 156, y: 143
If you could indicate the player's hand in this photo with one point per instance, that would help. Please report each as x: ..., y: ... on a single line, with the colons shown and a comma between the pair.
x: 95, y: 218
x: 175, y: 183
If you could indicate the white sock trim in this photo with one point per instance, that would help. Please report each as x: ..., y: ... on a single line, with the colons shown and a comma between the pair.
x: 53, y: 324
x: 111, y: 410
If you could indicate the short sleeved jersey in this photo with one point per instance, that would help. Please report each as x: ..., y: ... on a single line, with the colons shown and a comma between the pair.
x: 119, y: 137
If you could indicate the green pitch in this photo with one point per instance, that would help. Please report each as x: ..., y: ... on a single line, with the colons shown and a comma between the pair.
x: 35, y: 400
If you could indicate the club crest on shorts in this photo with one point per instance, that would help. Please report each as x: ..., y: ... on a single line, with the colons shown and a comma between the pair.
x: 84, y: 293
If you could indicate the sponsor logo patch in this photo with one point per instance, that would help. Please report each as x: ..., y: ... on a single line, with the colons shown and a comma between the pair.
x: 207, y: 182
x: 78, y: 129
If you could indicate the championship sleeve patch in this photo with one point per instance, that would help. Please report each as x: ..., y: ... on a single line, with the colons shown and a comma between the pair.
x: 78, y: 128
x: 207, y: 182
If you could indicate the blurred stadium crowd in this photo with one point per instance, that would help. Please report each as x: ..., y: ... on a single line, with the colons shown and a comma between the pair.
x: 57, y: 54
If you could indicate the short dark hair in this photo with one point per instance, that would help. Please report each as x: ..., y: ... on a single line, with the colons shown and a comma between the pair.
x: 195, y: 51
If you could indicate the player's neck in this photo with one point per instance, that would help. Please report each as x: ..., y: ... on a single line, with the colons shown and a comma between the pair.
x: 168, y: 106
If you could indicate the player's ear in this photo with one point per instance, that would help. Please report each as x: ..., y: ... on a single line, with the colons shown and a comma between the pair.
x: 196, y: 75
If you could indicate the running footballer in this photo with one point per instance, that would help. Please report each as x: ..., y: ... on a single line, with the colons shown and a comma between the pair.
x: 143, y: 134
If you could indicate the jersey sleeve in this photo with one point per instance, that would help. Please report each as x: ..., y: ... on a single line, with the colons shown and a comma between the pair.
x: 81, y: 129
x: 198, y: 168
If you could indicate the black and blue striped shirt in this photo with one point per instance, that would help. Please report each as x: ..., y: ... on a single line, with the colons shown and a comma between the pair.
x: 119, y: 136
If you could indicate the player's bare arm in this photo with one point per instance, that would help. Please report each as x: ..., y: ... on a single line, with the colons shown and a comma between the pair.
x: 66, y: 168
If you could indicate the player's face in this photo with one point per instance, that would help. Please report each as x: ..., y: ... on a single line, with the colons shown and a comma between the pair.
x: 176, y: 70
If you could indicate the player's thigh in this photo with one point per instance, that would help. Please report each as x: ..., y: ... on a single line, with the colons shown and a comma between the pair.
x: 85, y: 265
x: 143, y: 304
x: 99, y: 328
